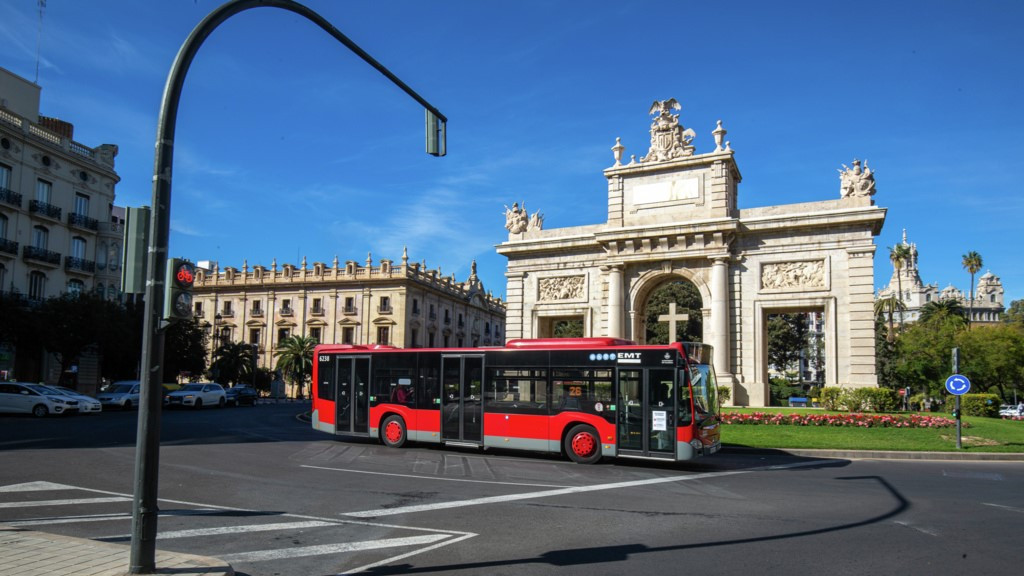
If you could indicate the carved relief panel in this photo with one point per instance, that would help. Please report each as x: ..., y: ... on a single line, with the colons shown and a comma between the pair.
x: 557, y: 288
x: 795, y: 275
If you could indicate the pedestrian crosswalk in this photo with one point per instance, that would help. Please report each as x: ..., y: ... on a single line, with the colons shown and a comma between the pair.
x: 234, y: 535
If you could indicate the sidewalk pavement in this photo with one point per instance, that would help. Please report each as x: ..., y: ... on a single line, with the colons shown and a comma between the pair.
x: 30, y: 553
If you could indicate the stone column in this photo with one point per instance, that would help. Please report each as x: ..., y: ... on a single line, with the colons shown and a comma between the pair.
x: 615, y: 302
x: 720, y: 315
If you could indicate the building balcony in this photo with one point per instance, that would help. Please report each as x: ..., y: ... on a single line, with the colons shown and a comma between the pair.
x: 44, y: 209
x: 349, y: 311
x: 83, y: 221
x: 384, y: 309
x: 197, y: 313
x: 256, y: 313
x: 41, y: 255
x: 9, y: 246
x: 8, y: 196
x: 72, y: 264
x: 286, y: 312
x: 227, y: 314
x: 316, y: 311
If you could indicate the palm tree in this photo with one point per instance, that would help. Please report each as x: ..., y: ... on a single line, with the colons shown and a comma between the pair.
x: 295, y: 359
x: 899, y: 255
x: 972, y: 263
x: 948, y: 310
x: 232, y: 362
x: 887, y: 306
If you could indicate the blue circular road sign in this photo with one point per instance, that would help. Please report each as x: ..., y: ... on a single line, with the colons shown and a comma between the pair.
x: 958, y: 384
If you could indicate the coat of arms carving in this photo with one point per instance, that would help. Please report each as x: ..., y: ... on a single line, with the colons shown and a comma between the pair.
x: 669, y: 140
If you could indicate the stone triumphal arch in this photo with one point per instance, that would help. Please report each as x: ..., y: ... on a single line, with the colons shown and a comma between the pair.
x: 672, y: 214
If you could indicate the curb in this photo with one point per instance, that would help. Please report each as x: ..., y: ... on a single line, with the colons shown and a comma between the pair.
x: 881, y: 454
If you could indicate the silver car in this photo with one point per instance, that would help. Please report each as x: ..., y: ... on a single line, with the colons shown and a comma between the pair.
x: 35, y: 399
x: 123, y: 394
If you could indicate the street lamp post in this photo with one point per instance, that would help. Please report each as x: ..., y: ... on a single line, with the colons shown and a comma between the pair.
x: 144, y: 506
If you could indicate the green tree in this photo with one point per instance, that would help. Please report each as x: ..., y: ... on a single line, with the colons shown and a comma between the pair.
x: 1015, y: 313
x: 887, y: 306
x: 569, y: 328
x: 947, y: 311
x: 787, y: 339
x: 185, y: 350
x: 972, y: 263
x: 923, y: 354
x: 72, y: 323
x: 993, y: 358
x: 295, y: 359
x: 899, y: 255
x: 232, y: 362
x: 688, y: 301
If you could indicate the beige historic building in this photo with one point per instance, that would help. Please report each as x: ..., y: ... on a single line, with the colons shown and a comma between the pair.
x: 59, y: 229
x: 673, y: 215
x: 403, y: 305
x: 987, y: 307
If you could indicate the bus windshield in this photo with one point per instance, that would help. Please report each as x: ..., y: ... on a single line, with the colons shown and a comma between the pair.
x: 705, y: 390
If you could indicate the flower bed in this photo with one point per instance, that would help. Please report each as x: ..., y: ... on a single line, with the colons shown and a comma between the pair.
x: 852, y: 420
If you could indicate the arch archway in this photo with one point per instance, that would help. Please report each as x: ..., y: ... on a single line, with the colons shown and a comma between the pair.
x: 650, y: 295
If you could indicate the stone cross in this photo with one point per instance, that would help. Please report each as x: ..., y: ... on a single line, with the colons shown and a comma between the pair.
x: 672, y: 318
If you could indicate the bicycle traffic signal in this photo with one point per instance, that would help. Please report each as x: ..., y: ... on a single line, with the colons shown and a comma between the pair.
x: 181, y: 274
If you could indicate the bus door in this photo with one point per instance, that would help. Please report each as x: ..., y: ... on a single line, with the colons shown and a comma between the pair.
x: 353, y: 378
x: 462, y: 416
x: 646, y: 421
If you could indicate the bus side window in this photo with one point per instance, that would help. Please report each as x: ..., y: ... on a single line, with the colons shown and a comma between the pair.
x: 685, y: 416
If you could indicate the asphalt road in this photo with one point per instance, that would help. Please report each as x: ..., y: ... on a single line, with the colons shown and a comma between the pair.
x: 258, y: 488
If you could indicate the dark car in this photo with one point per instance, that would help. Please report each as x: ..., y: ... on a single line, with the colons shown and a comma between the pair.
x: 242, y: 395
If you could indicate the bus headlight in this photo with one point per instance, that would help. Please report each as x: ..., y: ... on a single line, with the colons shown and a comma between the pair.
x: 696, y: 444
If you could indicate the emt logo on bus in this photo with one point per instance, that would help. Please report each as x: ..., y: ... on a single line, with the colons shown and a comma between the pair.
x: 629, y: 357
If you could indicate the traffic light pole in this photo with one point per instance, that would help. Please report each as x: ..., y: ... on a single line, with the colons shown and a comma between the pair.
x: 147, y: 453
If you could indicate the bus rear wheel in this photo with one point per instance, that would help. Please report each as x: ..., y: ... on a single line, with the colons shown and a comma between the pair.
x: 393, y: 432
x: 582, y: 444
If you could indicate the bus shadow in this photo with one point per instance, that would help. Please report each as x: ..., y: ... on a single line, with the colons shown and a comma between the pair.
x: 622, y: 552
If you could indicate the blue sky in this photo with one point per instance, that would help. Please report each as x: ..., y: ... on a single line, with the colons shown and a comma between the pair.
x: 289, y: 146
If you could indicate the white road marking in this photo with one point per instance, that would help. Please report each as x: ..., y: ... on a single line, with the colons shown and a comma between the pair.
x: 565, y: 491
x: 233, y: 530
x: 1005, y: 507
x: 466, y: 535
x: 918, y: 528
x: 35, y: 486
x: 432, y: 477
x: 263, y: 555
x: 69, y: 501
x: 68, y: 520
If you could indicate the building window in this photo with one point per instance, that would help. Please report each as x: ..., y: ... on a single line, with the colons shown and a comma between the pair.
x: 430, y: 339
x: 225, y: 309
x: 316, y: 334
x: 5, y: 177
x: 3, y: 227
x: 198, y: 309
x: 257, y: 308
x: 318, y: 307
x: 447, y: 317
x: 101, y: 256
x: 76, y: 287
x: 254, y: 336
x: 461, y: 324
x: 413, y: 336
x: 383, y: 334
x: 40, y: 237
x: 415, y: 306
x: 433, y: 315
x: 286, y: 307
x: 283, y: 333
x: 3, y: 276
x: 350, y: 305
x: 348, y: 335
x: 78, y: 247
x: 37, y: 285
x: 445, y: 340
x: 385, y: 304
x: 81, y: 204
x: 225, y: 335
x: 43, y: 191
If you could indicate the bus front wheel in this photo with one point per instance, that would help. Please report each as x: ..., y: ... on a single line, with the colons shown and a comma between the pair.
x: 393, y: 432
x: 582, y: 444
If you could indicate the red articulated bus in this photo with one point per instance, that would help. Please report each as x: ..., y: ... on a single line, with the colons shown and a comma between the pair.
x: 587, y: 397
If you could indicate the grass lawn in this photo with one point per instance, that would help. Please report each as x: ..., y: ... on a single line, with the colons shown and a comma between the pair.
x: 978, y: 435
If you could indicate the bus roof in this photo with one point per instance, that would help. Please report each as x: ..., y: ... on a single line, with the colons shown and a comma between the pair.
x: 568, y: 343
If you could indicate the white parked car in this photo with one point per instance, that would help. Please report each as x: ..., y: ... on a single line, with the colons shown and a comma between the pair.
x: 123, y: 394
x: 86, y: 404
x: 1011, y: 410
x: 19, y: 397
x: 197, y: 395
